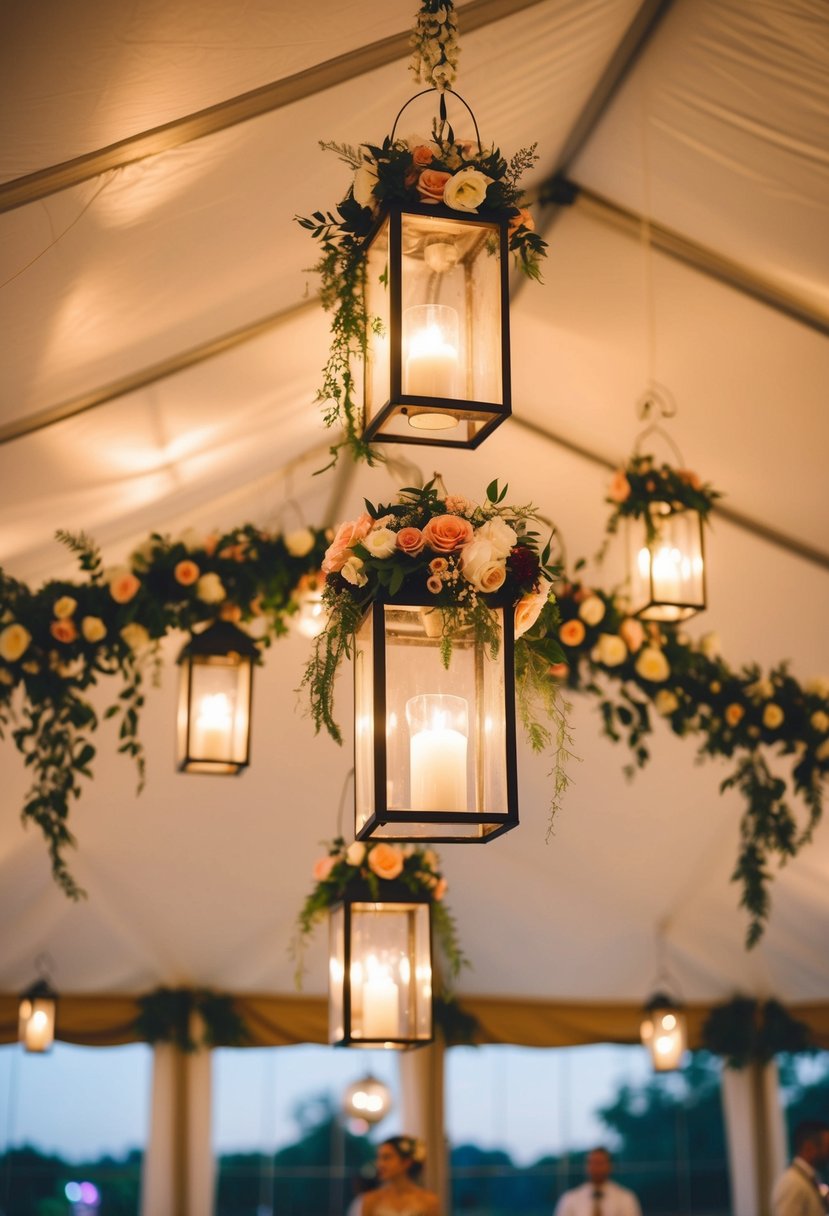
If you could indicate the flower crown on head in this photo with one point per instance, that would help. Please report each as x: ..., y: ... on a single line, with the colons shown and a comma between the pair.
x: 410, y: 1146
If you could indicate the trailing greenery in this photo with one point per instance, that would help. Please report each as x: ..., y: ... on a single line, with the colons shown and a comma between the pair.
x: 643, y: 489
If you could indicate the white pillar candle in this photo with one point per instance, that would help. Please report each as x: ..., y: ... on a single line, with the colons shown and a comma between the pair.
x: 38, y: 1034
x: 667, y: 574
x: 438, y: 770
x: 381, y: 1007
x: 213, y: 729
x: 432, y: 365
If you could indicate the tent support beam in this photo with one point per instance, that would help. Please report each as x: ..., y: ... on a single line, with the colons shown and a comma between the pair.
x: 34, y: 186
x: 782, y: 540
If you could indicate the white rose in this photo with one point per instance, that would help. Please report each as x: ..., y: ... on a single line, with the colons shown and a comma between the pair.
x: 528, y: 609
x: 381, y: 543
x: 652, y: 665
x: 299, y: 543
x: 709, y: 644
x: 592, y: 610
x: 772, y: 716
x: 365, y: 179
x: 490, y: 577
x: 191, y: 540
x: 143, y: 555
x: 135, y: 635
x: 818, y: 687
x: 822, y: 752
x: 500, y: 535
x: 761, y: 690
x: 665, y: 702
x: 474, y: 555
x: 611, y: 649
x: 820, y: 721
x: 466, y: 190
x: 355, y: 853
x: 14, y: 641
x: 93, y: 628
x: 210, y: 589
x: 352, y: 572
x: 65, y: 607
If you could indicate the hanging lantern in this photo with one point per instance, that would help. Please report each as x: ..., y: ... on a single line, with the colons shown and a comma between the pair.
x: 215, y: 690
x: 367, y: 1099
x: 380, y: 970
x: 435, y: 755
x: 667, y: 564
x: 664, y: 1032
x: 36, y: 1027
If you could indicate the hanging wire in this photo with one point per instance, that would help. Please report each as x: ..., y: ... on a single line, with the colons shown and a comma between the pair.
x: 665, y: 981
x: 45, y: 966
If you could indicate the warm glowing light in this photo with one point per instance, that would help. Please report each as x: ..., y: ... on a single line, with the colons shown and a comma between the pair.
x: 439, y: 727
x: 432, y: 365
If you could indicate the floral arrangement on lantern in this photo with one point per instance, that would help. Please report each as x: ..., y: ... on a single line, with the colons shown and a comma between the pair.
x: 58, y: 642
x: 465, y: 558
x: 642, y: 485
x: 377, y: 870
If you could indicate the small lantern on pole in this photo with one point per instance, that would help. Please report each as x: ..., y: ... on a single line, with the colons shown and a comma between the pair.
x: 664, y: 1032
x: 37, y: 1012
x: 380, y: 970
x: 215, y: 692
x: 435, y: 748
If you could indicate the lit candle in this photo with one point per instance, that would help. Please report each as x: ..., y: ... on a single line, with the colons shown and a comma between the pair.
x: 38, y: 1035
x: 432, y: 363
x: 437, y: 757
x: 213, y: 730
x: 381, y: 1005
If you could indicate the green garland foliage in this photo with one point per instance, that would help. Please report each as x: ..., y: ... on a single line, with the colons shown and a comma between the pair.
x: 166, y: 1015
x: 746, y: 1031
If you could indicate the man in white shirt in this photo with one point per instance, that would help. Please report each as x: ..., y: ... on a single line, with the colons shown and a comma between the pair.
x: 799, y: 1190
x: 598, y: 1196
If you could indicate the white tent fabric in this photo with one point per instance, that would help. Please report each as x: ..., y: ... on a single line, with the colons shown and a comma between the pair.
x: 199, y: 880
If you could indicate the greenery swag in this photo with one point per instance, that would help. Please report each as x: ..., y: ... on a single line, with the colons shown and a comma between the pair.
x: 166, y: 1017
x: 746, y: 1031
x: 643, y: 487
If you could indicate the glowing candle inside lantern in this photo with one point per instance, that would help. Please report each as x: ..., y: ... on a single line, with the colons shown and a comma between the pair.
x: 213, y: 730
x: 667, y: 572
x: 432, y: 364
x: 381, y: 1003
x: 38, y: 1033
x: 439, y: 726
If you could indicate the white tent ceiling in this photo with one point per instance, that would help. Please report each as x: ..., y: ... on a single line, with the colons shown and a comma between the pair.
x: 721, y: 130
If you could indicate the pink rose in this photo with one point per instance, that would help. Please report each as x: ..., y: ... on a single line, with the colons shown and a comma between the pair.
x: 422, y: 156
x: 64, y: 630
x: 632, y: 633
x: 386, y: 860
x: 690, y: 478
x: 123, y: 587
x: 322, y: 868
x: 522, y: 220
x: 186, y: 573
x: 572, y: 633
x: 347, y: 535
x: 430, y: 185
x: 446, y: 533
x: 619, y: 488
x: 734, y: 713
x: 434, y: 584
x: 231, y: 612
x: 410, y: 541
x: 528, y: 610
x: 438, y: 565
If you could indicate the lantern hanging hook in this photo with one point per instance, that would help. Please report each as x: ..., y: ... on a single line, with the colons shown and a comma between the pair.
x: 442, y: 115
x: 657, y: 402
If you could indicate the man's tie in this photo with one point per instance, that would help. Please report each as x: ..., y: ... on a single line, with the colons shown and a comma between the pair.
x: 596, y: 1210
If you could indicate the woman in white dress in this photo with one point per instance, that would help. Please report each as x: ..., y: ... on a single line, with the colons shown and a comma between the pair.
x: 399, y: 1161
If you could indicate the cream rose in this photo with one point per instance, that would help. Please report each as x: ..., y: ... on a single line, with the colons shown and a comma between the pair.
x: 652, y: 665
x: 14, y: 642
x: 773, y: 716
x: 93, y: 629
x: 500, y: 535
x: 446, y: 533
x: 611, y: 649
x: 665, y: 702
x: 135, y: 635
x: 822, y: 752
x: 210, y: 589
x: 346, y: 536
x: 300, y: 542
x: 465, y: 191
x: 490, y: 577
x: 710, y: 645
x: 65, y: 606
x: 352, y: 572
x: 528, y: 609
x: 820, y: 721
x: 386, y: 860
x: 410, y: 541
x: 123, y: 586
x: 355, y: 854
x: 592, y: 610
x: 380, y: 543
x: 818, y: 686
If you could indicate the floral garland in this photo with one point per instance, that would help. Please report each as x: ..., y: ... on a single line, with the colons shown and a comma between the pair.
x: 56, y: 643
x: 165, y: 1017
x: 378, y: 870
x: 746, y: 1031
x: 642, y: 485
x: 737, y: 714
x: 467, y: 558
x: 438, y: 170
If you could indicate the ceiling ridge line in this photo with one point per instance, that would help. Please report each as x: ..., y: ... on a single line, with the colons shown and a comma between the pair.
x: 265, y: 99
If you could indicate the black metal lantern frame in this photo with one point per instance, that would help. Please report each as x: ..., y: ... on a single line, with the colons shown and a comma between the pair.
x: 215, y: 700
x: 437, y: 368
x: 667, y: 564
x: 435, y: 785
x: 37, y: 1017
x: 380, y: 969
x: 664, y: 1032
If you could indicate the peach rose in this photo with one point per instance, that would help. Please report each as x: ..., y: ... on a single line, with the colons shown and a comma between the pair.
x: 93, y: 629
x: 438, y: 565
x: 410, y: 541
x: 440, y: 888
x: 431, y: 184
x: 14, y: 642
x: 690, y: 478
x: 322, y: 868
x: 522, y: 220
x: 734, y: 714
x: 619, y: 488
x: 123, y: 586
x: 231, y: 612
x: 446, y: 533
x: 528, y: 609
x: 186, y: 573
x: 64, y: 631
x: 572, y: 633
x: 386, y: 860
x: 422, y: 155
x: 632, y: 633
x: 346, y: 536
x: 64, y: 606
x: 434, y: 584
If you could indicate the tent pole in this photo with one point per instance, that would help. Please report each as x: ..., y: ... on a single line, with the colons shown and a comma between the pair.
x: 422, y: 1108
x: 755, y: 1135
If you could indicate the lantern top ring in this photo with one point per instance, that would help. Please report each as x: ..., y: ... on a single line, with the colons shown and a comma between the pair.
x: 442, y: 112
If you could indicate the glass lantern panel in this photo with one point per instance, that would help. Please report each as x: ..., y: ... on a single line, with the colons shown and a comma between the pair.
x: 37, y: 1023
x: 445, y: 728
x: 378, y: 307
x: 389, y: 961
x: 218, y: 717
x: 667, y: 572
x: 336, y: 974
x: 364, y: 793
x: 663, y: 1033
